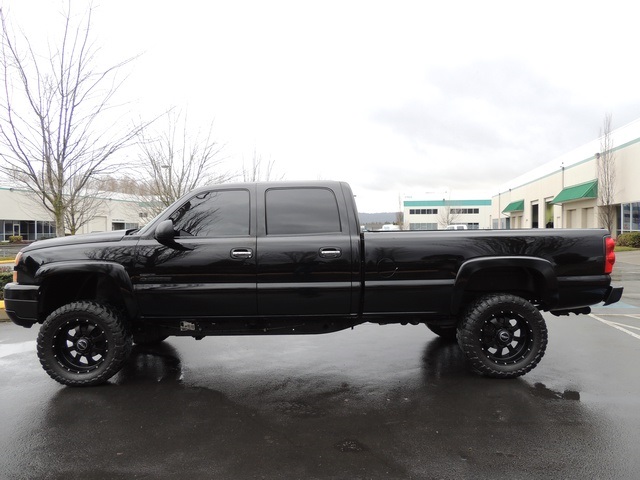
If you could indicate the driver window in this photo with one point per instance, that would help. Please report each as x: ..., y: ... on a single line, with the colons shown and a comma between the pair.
x: 214, y: 214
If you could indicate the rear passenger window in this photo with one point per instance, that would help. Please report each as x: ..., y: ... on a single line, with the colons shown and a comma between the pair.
x: 213, y: 214
x: 292, y: 211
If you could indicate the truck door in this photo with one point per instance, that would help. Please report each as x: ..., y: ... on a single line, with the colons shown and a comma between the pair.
x: 304, y: 261
x: 211, y: 269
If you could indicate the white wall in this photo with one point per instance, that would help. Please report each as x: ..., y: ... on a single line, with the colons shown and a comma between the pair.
x: 17, y: 205
x: 543, y: 184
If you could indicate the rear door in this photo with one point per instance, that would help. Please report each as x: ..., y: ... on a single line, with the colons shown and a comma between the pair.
x: 305, y: 259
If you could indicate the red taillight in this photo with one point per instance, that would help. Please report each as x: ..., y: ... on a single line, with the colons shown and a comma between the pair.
x: 610, y: 254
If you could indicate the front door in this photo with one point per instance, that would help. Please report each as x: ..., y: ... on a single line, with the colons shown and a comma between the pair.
x: 211, y: 270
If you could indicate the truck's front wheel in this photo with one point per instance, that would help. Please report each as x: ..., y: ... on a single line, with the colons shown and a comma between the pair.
x: 83, y: 343
x: 502, y: 335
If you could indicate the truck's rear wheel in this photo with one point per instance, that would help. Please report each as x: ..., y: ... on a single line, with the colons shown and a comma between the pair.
x: 502, y: 336
x: 83, y: 343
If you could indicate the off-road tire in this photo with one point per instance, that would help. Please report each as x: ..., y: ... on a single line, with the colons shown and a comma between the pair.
x: 83, y: 344
x: 502, y: 335
x: 446, y: 333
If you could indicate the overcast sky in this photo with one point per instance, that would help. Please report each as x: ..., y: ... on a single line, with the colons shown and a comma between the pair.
x: 393, y: 97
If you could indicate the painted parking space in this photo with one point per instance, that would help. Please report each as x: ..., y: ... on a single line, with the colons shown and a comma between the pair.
x: 629, y: 324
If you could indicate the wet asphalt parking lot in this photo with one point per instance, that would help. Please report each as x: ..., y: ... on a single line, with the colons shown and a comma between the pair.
x: 375, y: 402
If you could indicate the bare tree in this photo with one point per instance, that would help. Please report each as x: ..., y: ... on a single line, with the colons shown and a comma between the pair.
x: 400, y: 220
x: 53, y: 113
x: 122, y: 184
x: 175, y: 160
x: 259, y: 169
x: 82, y: 205
x: 447, y: 215
x: 606, y: 169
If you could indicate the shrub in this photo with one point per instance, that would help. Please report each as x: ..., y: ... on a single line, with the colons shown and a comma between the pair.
x: 5, y: 277
x: 15, y: 238
x: 629, y: 239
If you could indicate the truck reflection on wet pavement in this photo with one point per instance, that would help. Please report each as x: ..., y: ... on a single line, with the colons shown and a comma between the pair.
x: 383, y: 402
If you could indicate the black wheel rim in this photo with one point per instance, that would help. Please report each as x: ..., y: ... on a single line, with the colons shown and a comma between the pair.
x: 80, y: 346
x: 506, y: 338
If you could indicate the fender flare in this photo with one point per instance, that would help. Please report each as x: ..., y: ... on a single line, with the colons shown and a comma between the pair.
x: 548, y: 294
x: 114, y: 271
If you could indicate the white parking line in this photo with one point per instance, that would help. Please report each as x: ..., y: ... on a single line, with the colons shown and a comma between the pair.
x: 621, y: 327
x: 626, y: 326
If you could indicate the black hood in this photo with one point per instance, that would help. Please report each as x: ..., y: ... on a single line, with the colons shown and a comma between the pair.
x: 99, y: 237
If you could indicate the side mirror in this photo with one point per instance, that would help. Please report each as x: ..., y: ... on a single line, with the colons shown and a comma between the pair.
x: 165, y: 234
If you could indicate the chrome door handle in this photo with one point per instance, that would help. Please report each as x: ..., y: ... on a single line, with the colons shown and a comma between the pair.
x: 241, y: 253
x: 330, y: 252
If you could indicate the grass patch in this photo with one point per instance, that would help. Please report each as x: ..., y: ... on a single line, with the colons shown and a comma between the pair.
x: 629, y: 239
x: 625, y: 249
x: 5, y: 277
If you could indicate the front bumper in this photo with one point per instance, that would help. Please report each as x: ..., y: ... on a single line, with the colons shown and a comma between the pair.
x: 21, y: 303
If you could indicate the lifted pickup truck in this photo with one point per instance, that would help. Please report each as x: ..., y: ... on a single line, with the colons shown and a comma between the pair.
x: 289, y: 258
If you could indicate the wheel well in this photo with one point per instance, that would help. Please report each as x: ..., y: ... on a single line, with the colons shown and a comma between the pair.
x: 520, y: 281
x: 62, y: 289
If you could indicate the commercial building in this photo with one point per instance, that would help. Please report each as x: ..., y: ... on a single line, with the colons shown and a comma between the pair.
x: 563, y: 193
x: 426, y: 212
x: 22, y: 214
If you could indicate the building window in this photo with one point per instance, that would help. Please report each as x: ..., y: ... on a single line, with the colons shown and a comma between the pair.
x: 423, y: 211
x: 631, y: 217
x: 29, y: 230
x: 423, y: 226
x: 465, y: 211
x: 123, y: 226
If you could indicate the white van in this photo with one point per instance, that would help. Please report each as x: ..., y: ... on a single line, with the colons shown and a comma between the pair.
x: 456, y: 227
x: 388, y: 226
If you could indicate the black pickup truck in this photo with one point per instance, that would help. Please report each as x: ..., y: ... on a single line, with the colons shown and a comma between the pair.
x: 289, y: 258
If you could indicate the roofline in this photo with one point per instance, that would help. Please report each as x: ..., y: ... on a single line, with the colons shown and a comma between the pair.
x: 565, y: 162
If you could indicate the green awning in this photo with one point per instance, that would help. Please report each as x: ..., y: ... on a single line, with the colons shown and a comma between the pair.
x: 577, y: 192
x: 517, y: 206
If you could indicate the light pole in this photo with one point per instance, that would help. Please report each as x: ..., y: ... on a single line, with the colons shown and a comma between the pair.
x: 168, y: 194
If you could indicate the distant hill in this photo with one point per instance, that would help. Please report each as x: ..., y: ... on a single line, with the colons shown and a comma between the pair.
x: 384, y: 217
